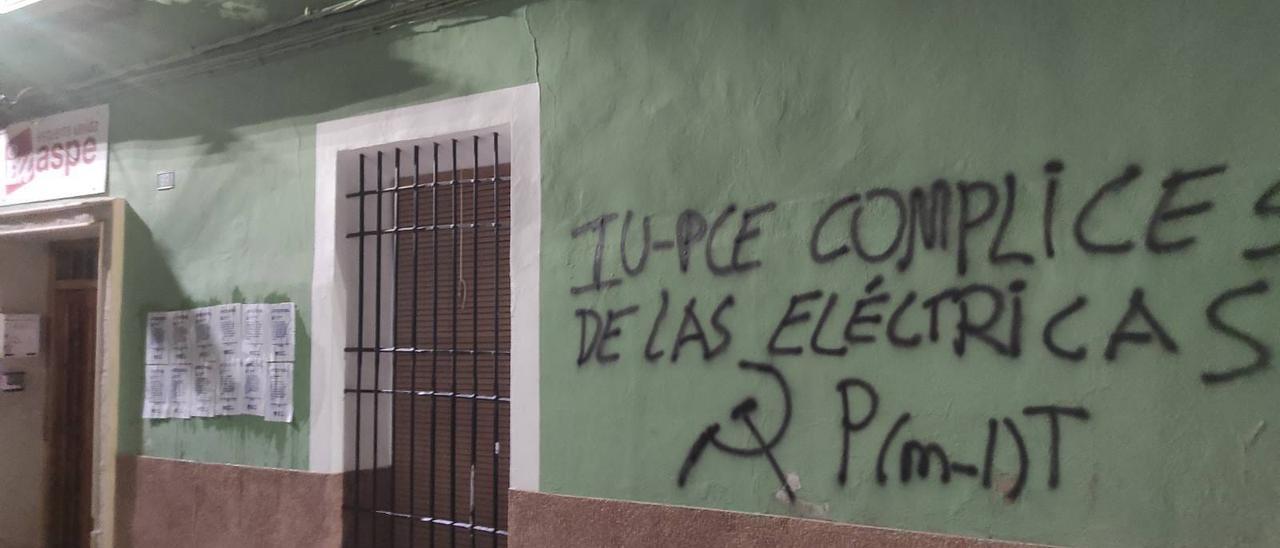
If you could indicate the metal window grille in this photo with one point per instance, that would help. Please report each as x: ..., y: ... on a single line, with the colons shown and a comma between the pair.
x: 431, y: 376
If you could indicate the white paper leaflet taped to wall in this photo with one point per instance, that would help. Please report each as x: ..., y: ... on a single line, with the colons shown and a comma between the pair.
x: 230, y: 359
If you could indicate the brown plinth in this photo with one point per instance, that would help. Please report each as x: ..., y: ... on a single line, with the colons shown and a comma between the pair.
x: 555, y: 521
x: 170, y: 503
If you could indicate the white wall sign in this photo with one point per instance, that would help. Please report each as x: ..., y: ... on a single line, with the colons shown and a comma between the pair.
x: 21, y: 334
x: 57, y: 156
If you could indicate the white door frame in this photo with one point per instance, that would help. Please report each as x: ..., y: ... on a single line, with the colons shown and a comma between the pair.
x: 333, y: 274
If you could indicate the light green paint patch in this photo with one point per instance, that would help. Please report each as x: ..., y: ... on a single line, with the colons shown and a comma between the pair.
x: 239, y: 226
x: 657, y: 107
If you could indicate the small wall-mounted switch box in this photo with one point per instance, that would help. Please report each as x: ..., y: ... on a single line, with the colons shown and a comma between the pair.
x: 165, y: 180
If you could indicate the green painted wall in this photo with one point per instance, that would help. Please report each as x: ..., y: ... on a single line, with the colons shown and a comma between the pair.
x: 659, y: 107
x: 656, y: 107
x: 239, y: 226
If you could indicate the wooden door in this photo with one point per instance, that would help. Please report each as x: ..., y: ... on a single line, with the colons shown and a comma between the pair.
x: 448, y: 347
x: 449, y: 440
x: 72, y: 352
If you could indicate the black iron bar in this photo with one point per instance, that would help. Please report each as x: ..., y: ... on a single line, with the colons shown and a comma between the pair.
x: 432, y: 228
x: 359, y: 357
x: 497, y: 333
x: 413, y: 342
x: 398, y: 188
x: 455, y: 205
x: 430, y: 394
x: 413, y: 350
x: 395, y: 313
x: 377, y: 341
x: 475, y: 320
x: 435, y: 325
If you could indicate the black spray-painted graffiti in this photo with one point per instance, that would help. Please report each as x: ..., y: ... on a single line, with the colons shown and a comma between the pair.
x: 742, y: 412
x: 916, y: 458
x: 942, y: 217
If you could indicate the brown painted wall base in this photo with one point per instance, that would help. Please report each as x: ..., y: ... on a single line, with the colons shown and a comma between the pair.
x: 168, y: 503
x: 542, y: 520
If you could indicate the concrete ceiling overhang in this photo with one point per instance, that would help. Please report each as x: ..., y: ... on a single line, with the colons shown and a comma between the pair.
x: 57, y: 52
x: 56, y: 42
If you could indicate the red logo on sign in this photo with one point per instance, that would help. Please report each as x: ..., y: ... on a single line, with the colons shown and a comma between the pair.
x: 21, y: 165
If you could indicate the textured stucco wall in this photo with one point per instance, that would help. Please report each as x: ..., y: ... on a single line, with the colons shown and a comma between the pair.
x: 165, y: 502
x: 658, y: 107
x: 239, y: 225
x: 542, y: 520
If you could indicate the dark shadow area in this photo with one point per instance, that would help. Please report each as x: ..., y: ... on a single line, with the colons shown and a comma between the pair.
x: 148, y: 285
x: 60, y: 46
x: 70, y: 40
x: 330, y: 78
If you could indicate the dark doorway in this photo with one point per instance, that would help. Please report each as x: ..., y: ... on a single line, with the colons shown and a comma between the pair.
x: 72, y: 350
